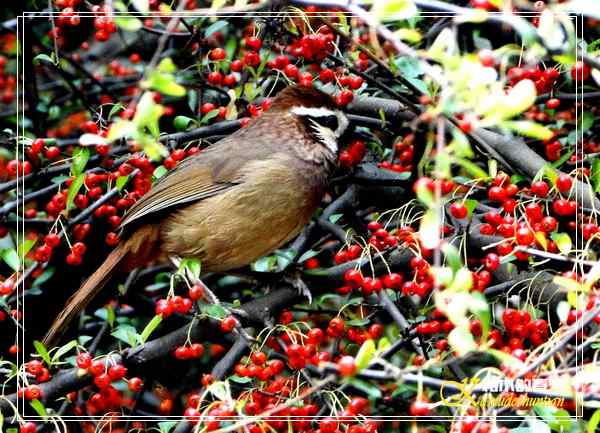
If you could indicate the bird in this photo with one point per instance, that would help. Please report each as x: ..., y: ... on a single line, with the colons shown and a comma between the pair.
x: 235, y: 201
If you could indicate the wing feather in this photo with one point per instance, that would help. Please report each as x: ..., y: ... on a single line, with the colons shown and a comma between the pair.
x: 198, y: 177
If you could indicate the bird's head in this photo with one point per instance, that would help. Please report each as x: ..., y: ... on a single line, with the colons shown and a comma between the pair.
x: 316, y: 111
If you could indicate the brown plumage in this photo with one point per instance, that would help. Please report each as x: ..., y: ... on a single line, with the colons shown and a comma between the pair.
x: 228, y: 205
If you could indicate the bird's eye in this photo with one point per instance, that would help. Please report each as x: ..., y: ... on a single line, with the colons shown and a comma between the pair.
x: 328, y: 121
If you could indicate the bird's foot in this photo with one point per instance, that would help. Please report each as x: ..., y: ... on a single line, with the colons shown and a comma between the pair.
x: 295, y: 280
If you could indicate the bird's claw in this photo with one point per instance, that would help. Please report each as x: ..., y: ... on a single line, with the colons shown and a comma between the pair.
x: 296, y: 282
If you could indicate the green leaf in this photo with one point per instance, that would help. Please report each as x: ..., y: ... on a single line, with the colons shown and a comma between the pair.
x: 164, y: 83
x: 459, y: 146
x: 141, y: 5
x: 115, y: 109
x: 393, y: 10
x: 74, y: 190
x: 473, y: 169
x: 81, y: 155
x: 43, y: 58
x: 217, y: 26
x: 25, y: 247
x: 593, y: 422
x: 358, y: 322
x: 121, y: 182
x: 519, y: 98
x: 213, y: 310
x: 160, y: 171
x: 46, y: 275
x: 383, y: 344
x: 429, y: 229
x: 371, y: 390
x: 470, y: 204
x: 11, y: 258
x: 265, y: 264
x: 558, y: 419
x: 529, y: 129
x: 365, y: 354
x: 128, y: 22
x: 550, y: 30
x: 479, y: 306
x: 110, y: 316
x: 461, y: 340
x: 563, y: 159
x: 166, y: 65
x: 193, y: 266
x: 595, y: 175
x: 63, y: 350
x: 549, y: 172
x: 209, y: 116
x: 39, y: 408
x: 411, y: 35
x: 424, y: 195
x: 539, y: 426
x: 240, y: 379
x: 127, y: 334
x: 562, y: 311
x: 452, y: 256
x: 181, y: 123
x: 563, y: 242
x: 409, y: 67
x: 121, y: 129
x: 41, y: 350
x: 150, y: 327
x: 148, y: 113
x: 166, y: 426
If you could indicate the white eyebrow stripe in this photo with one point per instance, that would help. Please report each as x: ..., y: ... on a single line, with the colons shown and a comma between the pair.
x: 312, y: 111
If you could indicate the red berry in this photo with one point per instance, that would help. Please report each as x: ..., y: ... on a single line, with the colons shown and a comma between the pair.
x: 196, y: 292
x: 492, y: 262
x: 553, y: 103
x: 228, y: 324
x: 182, y: 353
x: 291, y: 71
x: 346, y: 366
x: 353, y: 277
x: 52, y: 240
x: 117, y: 372
x: 326, y: 76
x: 524, y: 236
x: 253, y: 43
x: 74, y: 259
x: 564, y: 183
x: 344, y: 98
x: 135, y: 384
x: 102, y: 381
x: 497, y: 194
x: 580, y: 71
x: 28, y: 427
x: 419, y: 408
x: 356, y: 82
x: 33, y: 392
x: 458, y: 210
x: 486, y: 57
x: 217, y: 54
x: 540, y: 188
x: 83, y: 360
x: 215, y: 78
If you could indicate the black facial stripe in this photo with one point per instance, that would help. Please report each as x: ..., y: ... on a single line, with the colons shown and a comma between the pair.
x: 330, y: 121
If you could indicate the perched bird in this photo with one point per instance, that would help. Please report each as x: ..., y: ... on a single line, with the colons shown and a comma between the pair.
x: 234, y: 202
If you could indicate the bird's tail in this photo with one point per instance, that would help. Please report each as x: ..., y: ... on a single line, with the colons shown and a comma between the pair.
x: 88, y: 291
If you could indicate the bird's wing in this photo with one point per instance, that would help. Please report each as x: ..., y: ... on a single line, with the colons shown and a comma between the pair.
x: 203, y: 175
